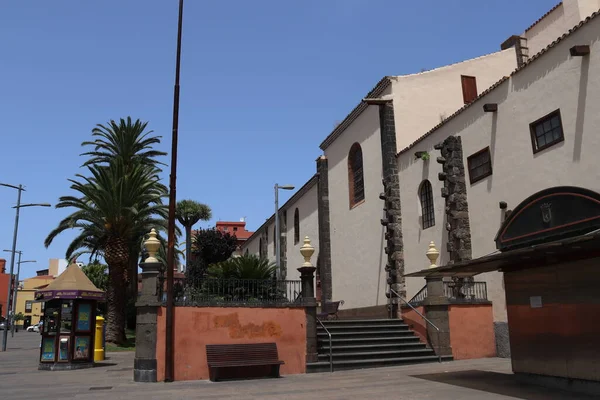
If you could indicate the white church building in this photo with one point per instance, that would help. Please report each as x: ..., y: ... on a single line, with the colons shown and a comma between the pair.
x: 452, y: 150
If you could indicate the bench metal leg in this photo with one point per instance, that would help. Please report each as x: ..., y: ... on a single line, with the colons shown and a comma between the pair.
x: 213, y: 375
x: 275, y: 371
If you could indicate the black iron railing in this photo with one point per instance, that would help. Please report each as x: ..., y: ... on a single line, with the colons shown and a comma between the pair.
x: 466, y: 292
x: 238, y: 292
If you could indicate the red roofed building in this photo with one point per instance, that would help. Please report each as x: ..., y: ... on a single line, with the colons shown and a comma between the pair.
x: 237, y: 229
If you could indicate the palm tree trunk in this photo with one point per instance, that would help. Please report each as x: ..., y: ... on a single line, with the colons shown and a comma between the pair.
x: 188, y: 246
x: 131, y: 291
x: 115, y: 298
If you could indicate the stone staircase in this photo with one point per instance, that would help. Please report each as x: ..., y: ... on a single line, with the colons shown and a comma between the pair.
x: 369, y: 344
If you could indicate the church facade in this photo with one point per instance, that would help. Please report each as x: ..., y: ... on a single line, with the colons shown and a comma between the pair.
x: 431, y: 157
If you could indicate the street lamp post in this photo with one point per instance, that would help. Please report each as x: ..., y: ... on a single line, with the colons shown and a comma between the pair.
x: 16, y: 286
x: 169, y: 353
x: 20, y: 189
x: 277, y: 232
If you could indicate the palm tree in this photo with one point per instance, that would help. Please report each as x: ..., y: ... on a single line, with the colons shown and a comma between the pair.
x: 113, y: 208
x: 243, y: 267
x: 127, y: 141
x: 130, y: 143
x: 188, y: 213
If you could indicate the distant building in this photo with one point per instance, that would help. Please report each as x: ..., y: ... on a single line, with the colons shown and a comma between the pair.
x: 26, y: 303
x: 57, y: 266
x: 4, y: 281
x: 25, y: 298
x: 237, y: 229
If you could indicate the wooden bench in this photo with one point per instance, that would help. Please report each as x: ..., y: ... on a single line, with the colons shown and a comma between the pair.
x: 330, y: 309
x: 221, y: 356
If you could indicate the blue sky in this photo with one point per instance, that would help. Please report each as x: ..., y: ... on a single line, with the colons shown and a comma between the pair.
x: 263, y: 82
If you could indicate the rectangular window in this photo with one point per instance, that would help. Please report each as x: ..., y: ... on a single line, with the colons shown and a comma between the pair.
x: 235, y: 228
x: 28, y: 305
x: 469, y: 88
x: 480, y: 165
x: 546, y: 131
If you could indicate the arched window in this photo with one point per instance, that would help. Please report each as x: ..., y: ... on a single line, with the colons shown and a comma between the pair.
x: 356, y: 184
x: 274, y: 242
x: 246, y: 252
x: 426, y: 197
x: 296, y: 226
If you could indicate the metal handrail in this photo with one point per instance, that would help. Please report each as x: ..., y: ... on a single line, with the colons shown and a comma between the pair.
x: 330, y: 346
x: 426, y: 320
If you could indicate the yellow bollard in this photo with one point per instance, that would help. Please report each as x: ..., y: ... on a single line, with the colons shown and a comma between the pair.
x: 99, y: 339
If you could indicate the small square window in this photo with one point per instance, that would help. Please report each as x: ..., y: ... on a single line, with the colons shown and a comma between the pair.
x: 480, y: 165
x: 546, y: 131
x: 235, y: 228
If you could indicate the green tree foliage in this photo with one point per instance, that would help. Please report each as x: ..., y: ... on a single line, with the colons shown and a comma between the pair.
x: 188, y: 213
x: 97, y: 273
x: 243, y: 267
x: 210, y: 247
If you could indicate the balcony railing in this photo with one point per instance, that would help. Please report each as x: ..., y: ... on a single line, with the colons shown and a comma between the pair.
x: 418, y: 298
x: 457, y: 293
x: 237, y: 292
x: 466, y: 292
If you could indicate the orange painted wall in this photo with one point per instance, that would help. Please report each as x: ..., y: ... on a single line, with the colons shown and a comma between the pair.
x: 472, y: 331
x: 195, y: 327
x: 415, y: 322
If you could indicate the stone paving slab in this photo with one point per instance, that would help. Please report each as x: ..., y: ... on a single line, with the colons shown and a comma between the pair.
x: 113, y: 379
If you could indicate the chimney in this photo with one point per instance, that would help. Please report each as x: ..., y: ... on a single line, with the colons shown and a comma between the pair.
x: 2, y: 266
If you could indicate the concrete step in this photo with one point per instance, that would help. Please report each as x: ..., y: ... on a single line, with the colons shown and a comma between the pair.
x: 323, y: 366
x: 368, y: 355
x: 366, y: 333
x: 338, y: 340
x: 362, y: 325
x: 366, y: 347
x: 352, y: 322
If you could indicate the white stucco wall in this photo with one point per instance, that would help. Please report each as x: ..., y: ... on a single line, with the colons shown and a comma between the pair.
x: 252, y: 245
x: 554, y: 81
x: 422, y: 100
x: 357, y: 257
x: 556, y: 23
x: 309, y: 226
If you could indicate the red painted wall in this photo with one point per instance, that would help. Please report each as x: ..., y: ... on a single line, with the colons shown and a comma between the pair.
x: 472, y: 331
x: 195, y: 327
x: 4, y: 282
x: 415, y: 321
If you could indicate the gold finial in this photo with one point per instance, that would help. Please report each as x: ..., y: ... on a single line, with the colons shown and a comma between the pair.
x: 307, y: 251
x: 432, y: 254
x: 152, y: 244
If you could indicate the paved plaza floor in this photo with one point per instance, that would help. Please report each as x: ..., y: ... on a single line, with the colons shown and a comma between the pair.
x: 113, y: 379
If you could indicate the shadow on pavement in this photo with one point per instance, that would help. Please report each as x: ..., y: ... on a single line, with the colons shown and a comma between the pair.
x: 499, y: 383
